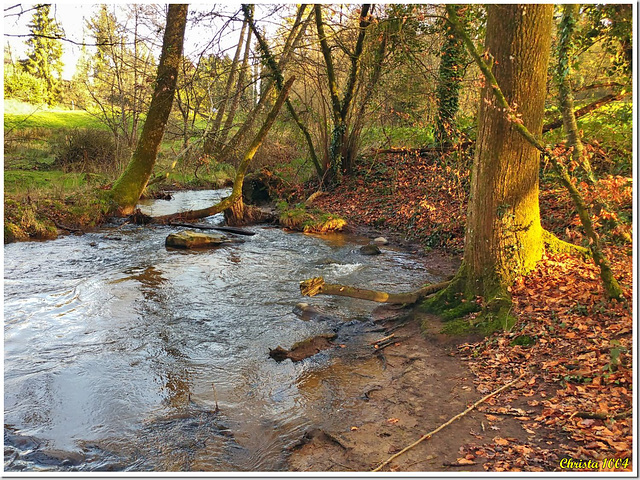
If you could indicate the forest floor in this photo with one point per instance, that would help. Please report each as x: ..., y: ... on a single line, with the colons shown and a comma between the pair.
x: 572, y: 346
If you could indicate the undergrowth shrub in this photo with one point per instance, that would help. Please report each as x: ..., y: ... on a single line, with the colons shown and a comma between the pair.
x: 86, y: 150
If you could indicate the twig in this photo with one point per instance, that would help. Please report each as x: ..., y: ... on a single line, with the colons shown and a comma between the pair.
x: 342, y: 465
x: 68, y: 229
x: 383, y: 339
x: 455, y: 464
x: 453, y: 419
x: 379, y: 347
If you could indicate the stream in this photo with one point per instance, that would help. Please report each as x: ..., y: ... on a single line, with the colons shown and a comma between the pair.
x: 117, y: 350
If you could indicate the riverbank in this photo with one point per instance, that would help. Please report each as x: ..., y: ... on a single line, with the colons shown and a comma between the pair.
x: 573, y: 348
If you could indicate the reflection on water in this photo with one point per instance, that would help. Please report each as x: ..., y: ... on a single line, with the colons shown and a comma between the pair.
x: 117, y: 350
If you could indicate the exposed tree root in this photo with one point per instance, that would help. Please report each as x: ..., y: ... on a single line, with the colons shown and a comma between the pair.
x: 317, y: 286
x: 555, y: 245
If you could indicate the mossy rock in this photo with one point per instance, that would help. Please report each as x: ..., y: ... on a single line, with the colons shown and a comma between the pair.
x: 311, y: 221
x: 188, y: 239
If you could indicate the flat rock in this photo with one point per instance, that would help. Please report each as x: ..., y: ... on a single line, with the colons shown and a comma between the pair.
x: 189, y: 239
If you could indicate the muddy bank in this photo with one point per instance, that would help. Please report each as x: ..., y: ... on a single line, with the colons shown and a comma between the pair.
x: 398, y: 392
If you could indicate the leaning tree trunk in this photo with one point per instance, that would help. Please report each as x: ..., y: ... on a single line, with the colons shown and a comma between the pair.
x: 126, y: 192
x: 211, y: 140
x: 503, y: 234
x: 565, y: 93
x: 233, y: 204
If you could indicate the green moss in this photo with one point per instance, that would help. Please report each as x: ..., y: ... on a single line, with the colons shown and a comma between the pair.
x: 458, y: 327
x: 301, y: 219
x: 555, y: 245
x: 455, y: 304
x: 523, y: 340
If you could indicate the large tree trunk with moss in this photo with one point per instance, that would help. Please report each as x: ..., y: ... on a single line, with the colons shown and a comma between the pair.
x: 126, y: 192
x: 610, y: 284
x: 503, y: 233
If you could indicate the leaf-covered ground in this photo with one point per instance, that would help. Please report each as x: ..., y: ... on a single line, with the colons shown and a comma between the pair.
x: 573, y: 346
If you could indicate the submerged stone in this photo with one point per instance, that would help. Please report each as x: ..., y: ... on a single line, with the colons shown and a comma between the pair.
x: 190, y: 239
x: 370, y: 249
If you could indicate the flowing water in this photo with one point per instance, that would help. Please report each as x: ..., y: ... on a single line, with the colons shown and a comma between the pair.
x: 117, y: 350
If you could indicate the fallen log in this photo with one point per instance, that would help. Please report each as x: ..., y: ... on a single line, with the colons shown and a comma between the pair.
x: 581, y: 112
x: 424, y: 150
x: 317, y: 286
x: 237, y: 231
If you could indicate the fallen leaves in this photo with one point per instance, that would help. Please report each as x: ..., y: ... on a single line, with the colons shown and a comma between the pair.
x: 579, y: 350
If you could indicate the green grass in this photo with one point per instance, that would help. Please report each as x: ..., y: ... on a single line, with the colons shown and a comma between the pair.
x: 19, y: 116
x: 397, y: 137
x: 45, y: 182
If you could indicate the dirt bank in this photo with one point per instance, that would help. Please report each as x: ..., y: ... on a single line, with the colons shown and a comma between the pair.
x: 400, y: 392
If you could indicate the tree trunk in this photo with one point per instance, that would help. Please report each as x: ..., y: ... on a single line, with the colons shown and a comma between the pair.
x: 211, y: 140
x: 228, y: 123
x: 503, y: 234
x: 565, y: 93
x: 450, y: 74
x: 581, y: 112
x: 341, y: 107
x: 277, y: 74
x: 295, y: 35
x: 317, y: 286
x: 128, y: 188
